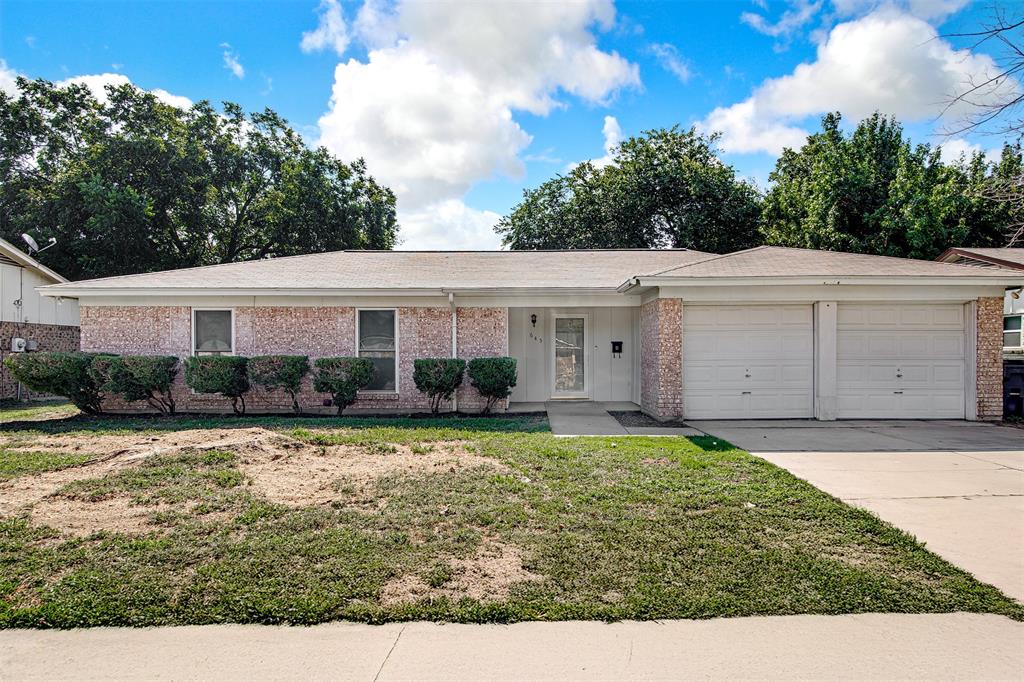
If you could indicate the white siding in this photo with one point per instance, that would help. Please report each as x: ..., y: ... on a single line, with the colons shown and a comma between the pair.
x: 20, y: 283
x: 610, y: 379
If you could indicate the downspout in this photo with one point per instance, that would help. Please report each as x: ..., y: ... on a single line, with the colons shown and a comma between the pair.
x: 455, y: 349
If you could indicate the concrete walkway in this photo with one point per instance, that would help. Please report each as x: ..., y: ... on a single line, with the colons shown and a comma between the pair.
x: 957, y: 486
x: 870, y: 646
x: 587, y: 418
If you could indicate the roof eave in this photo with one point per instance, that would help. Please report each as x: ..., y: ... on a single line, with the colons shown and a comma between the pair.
x: 872, y: 280
x: 70, y: 290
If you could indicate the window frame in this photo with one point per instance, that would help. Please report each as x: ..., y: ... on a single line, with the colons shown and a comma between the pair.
x: 1019, y: 331
x: 234, y: 335
x: 358, y: 349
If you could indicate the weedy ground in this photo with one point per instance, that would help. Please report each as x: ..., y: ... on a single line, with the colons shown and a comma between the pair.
x: 283, y: 520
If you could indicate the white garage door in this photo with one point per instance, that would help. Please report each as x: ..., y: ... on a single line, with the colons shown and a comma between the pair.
x: 901, y: 361
x: 748, y: 362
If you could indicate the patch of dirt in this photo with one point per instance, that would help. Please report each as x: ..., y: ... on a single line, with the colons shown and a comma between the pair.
x: 487, y: 576
x: 285, y: 470
x: 80, y: 518
x: 124, y: 451
x: 313, y: 475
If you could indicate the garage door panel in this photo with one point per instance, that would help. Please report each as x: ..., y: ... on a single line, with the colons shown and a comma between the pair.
x: 900, y: 361
x: 747, y: 361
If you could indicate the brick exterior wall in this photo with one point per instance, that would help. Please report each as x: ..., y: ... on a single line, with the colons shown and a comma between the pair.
x: 990, y: 358
x: 313, y: 331
x: 661, y: 364
x: 482, y: 333
x: 51, y: 337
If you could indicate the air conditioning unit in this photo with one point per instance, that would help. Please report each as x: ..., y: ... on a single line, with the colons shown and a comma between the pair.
x: 18, y: 345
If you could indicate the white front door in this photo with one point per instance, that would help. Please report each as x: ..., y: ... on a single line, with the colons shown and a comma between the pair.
x: 570, y: 355
x: 900, y: 361
x: 748, y: 361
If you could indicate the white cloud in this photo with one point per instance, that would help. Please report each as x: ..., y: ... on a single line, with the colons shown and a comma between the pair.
x: 331, y: 31
x: 792, y: 20
x: 958, y: 147
x: 8, y: 79
x: 431, y: 108
x: 231, y: 62
x: 612, y: 132
x: 449, y: 224
x: 886, y: 61
x: 97, y: 85
x: 425, y: 132
x: 930, y: 10
x: 668, y: 57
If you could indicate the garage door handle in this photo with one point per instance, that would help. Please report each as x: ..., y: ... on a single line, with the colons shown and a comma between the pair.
x: 745, y: 393
x: 898, y: 392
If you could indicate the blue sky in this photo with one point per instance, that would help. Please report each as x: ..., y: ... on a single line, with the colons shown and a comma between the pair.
x: 460, y: 105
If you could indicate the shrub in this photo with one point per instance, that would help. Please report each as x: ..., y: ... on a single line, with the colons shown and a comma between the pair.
x: 63, y: 374
x: 223, y: 374
x: 494, y: 378
x: 438, y: 378
x: 283, y: 372
x: 342, y: 378
x: 138, y: 377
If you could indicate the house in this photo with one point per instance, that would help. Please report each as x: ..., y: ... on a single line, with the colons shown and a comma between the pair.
x: 1013, y: 302
x: 28, y: 320
x: 764, y: 333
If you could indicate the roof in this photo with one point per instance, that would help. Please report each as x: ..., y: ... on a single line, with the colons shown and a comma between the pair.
x: 436, y: 272
x: 1007, y: 258
x: 23, y: 259
x: 406, y: 270
x: 777, y: 261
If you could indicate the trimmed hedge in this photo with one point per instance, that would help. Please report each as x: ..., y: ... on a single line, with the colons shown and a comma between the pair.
x: 493, y: 378
x: 438, y: 378
x: 284, y: 372
x: 138, y: 377
x: 223, y: 374
x: 59, y: 373
x: 343, y: 378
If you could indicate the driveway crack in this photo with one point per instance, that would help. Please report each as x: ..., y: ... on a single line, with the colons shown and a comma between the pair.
x: 390, y: 651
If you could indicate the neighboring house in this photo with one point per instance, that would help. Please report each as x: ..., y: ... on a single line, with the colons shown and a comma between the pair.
x: 45, y: 323
x: 763, y: 333
x: 1013, y: 303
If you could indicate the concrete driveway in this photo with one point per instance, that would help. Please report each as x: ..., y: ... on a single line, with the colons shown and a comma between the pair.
x: 957, y: 486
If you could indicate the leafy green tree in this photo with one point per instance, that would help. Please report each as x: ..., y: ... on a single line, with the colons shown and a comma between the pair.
x: 874, y: 192
x: 132, y: 184
x: 665, y: 188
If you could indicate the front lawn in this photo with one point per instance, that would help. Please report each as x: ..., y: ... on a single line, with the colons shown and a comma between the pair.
x: 303, y: 521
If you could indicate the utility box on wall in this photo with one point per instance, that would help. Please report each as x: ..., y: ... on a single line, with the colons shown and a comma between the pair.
x: 1013, y: 388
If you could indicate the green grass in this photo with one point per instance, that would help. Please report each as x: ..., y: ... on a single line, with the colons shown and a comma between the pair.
x: 615, y: 528
x: 15, y: 412
x: 16, y: 463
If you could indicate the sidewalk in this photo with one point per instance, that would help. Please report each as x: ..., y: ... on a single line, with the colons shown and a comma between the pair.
x: 870, y: 646
x: 586, y: 418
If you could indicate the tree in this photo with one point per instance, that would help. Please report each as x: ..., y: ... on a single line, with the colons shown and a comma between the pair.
x: 666, y: 188
x: 132, y: 184
x: 874, y: 192
x: 994, y: 104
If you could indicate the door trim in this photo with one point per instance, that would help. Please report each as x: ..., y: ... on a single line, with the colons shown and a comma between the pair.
x: 564, y: 395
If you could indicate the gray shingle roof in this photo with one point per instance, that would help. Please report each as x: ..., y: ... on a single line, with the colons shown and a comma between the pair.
x: 777, y: 261
x: 413, y: 270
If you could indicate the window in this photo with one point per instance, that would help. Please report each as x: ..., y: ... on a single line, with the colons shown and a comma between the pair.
x: 213, y: 332
x: 1012, y: 331
x: 377, y: 332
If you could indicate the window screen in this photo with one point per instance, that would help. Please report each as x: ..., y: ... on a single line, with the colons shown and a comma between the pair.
x: 212, y: 332
x: 377, y: 342
x: 1012, y: 331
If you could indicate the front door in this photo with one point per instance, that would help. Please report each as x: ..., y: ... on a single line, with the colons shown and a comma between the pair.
x: 570, y: 356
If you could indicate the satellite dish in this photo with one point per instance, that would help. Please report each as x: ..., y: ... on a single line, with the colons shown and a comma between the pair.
x: 32, y: 246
